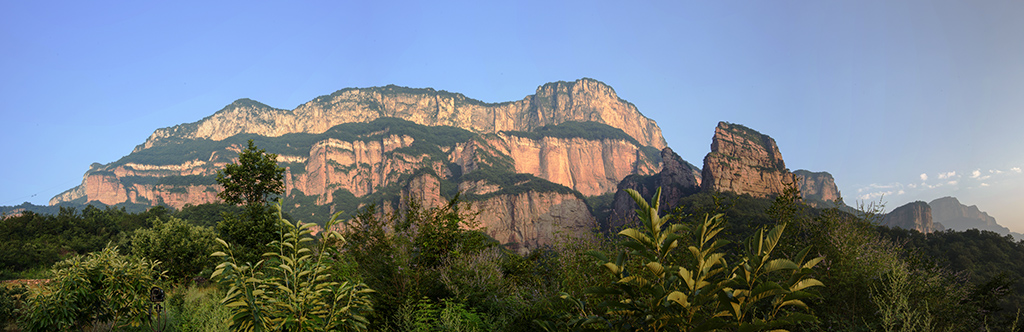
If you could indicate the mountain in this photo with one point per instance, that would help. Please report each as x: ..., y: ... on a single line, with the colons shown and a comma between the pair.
x: 744, y: 161
x: 676, y: 179
x: 956, y: 216
x: 818, y: 189
x: 527, y: 166
x: 913, y: 215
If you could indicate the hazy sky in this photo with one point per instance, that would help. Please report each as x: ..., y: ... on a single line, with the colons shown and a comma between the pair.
x: 914, y: 99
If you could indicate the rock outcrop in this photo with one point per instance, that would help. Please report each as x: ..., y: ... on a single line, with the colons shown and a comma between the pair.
x: 534, y: 219
x: 744, y: 161
x: 817, y: 188
x: 914, y: 215
x: 676, y: 179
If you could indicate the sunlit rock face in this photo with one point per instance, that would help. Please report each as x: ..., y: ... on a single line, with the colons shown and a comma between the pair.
x: 744, y: 161
x: 389, y: 145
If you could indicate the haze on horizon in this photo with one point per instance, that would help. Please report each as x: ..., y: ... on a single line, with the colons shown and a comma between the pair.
x: 902, y: 101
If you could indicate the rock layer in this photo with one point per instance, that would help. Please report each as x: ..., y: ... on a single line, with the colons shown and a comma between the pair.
x: 744, y: 161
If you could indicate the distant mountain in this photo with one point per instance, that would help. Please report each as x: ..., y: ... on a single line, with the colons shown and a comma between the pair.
x: 956, y: 216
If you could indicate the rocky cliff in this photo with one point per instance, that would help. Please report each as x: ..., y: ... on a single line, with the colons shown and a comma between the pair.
x: 585, y: 100
x: 818, y: 189
x: 744, y: 161
x: 914, y: 215
x: 676, y: 179
x: 527, y: 164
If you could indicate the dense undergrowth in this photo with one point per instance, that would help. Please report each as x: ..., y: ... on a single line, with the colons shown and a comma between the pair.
x: 718, y: 261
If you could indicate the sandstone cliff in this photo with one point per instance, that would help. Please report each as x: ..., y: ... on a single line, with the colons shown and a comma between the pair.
x: 744, y: 161
x: 818, y: 189
x: 914, y: 215
x: 676, y: 179
x: 533, y: 219
x: 553, y: 103
x: 528, y: 163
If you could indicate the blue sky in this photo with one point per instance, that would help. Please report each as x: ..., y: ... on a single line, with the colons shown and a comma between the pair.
x: 912, y: 99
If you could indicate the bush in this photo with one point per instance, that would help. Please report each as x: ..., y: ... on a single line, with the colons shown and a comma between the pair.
x: 10, y: 304
x: 659, y: 290
x: 290, y: 289
x: 198, y: 309
x: 99, y: 288
x: 184, y: 249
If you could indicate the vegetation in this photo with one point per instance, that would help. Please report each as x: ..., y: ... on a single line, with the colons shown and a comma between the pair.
x: 103, y: 287
x: 251, y: 182
x: 291, y: 289
x: 718, y: 261
x: 182, y: 248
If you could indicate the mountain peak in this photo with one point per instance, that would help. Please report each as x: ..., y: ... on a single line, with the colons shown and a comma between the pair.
x: 744, y: 161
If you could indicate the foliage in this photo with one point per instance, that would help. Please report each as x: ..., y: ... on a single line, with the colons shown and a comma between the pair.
x: 655, y: 293
x: 198, y: 309
x: 31, y: 241
x: 184, y: 249
x: 425, y: 316
x: 254, y: 179
x: 11, y: 298
x: 101, y: 287
x: 992, y: 264
x: 291, y: 290
x: 408, y: 254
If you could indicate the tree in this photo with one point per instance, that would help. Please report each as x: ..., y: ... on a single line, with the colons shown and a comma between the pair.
x: 253, y: 179
x: 184, y: 249
x: 251, y: 182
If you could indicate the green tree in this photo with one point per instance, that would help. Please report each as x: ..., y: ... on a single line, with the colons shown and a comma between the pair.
x: 251, y: 182
x: 184, y: 249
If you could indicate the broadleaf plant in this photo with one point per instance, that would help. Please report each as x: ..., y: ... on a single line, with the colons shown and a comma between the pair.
x: 290, y: 288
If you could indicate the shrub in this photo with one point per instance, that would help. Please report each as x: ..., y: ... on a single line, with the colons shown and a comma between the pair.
x: 99, y: 288
x: 290, y: 289
x: 10, y: 303
x: 198, y: 309
x: 658, y: 290
x: 184, y: 249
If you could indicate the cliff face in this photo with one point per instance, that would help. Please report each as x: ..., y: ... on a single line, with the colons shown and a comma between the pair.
x: 534, y: 219
x: 676, y: 179
x: 526, y: 164
x: 817, y: 187
x: 957, y: 216
x: 744, y: 161
x: 553, y: 103
x: 914, y: 215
